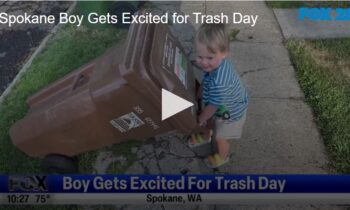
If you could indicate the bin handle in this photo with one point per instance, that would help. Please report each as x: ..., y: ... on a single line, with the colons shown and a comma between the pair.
x: 80, y: 81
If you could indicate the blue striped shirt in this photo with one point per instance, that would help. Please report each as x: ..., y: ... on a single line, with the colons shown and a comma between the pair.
x: 224, y: 89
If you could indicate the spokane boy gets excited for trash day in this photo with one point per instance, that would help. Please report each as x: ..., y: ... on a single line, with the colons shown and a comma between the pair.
x: 223, y: 93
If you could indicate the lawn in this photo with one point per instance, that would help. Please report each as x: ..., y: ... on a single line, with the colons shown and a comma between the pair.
x: 323, y: 71
x: 69, y: 49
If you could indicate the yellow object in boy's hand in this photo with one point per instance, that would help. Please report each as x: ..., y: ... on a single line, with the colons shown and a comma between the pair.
x: 211, y: 160
x: 217, y: 159
x: 193, y: 139
x: 199, y: 138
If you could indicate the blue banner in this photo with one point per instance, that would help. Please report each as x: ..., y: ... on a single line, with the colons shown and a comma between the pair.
x: 175, y: 184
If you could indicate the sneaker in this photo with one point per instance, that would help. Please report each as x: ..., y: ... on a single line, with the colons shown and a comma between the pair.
x: 197, y: 139
x: 215, y: 161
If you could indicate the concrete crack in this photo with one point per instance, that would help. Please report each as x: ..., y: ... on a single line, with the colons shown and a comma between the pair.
x: 263, y: 69
x: 256, y: 42
x: 281, y: 98
x: 156, y: 158
x: 253, y: 71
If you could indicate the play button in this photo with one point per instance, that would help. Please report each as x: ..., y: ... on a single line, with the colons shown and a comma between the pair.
x: 172, y: 104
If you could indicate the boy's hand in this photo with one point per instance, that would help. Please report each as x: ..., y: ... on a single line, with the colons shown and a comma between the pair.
x: 206, y: 114
x: 201, y: 123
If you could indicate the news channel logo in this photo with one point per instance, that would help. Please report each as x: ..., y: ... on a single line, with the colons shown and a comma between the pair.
x: 30, y: 183
x: 324, y: 14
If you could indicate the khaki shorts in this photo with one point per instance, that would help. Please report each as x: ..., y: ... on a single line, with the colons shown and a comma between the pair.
x: 229, y: 130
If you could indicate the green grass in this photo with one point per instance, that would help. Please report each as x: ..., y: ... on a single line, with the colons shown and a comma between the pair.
x: 321, y: 68
x: 297, y: 4
x: 70, y: 48
x: 340, y: 48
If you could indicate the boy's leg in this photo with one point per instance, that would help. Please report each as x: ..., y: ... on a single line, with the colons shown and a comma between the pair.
x: 208, y: 133
x: 223, y: 148
x: 208, y: 130
x: 227, y: 130
x: 222, y: 156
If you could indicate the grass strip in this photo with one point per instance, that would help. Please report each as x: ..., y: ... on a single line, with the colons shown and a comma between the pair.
x: 327, y: 90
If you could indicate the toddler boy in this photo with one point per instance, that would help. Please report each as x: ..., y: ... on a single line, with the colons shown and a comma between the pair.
x: 223, y: 93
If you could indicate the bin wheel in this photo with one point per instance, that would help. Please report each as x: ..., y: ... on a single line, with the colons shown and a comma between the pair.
x: 59, y: 164
x: 118, y: 9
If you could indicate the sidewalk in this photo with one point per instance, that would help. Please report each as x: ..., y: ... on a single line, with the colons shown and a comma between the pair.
x: 280, y: 135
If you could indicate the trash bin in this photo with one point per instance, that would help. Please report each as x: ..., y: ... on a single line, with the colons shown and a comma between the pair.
x: 114, y: 98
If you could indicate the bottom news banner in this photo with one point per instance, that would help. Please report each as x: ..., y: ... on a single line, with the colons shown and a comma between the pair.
x: 173, y: 189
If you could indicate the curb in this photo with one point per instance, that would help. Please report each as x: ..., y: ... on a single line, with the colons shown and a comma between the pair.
x: 30, y: 60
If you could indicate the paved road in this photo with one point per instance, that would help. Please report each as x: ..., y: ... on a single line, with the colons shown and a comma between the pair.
x: 19, y: 41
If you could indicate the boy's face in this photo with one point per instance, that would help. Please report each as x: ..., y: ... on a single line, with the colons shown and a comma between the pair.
x: 206, y: 60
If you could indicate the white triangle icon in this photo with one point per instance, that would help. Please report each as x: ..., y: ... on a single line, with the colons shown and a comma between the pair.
x: 172, y: 104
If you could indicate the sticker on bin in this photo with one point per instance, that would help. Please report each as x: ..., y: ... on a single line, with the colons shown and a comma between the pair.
x: 168, y: 53
x: 127, y: 122
x: 180, y: 66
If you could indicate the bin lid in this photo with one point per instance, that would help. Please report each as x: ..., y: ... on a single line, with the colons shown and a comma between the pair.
x: 170, y: 65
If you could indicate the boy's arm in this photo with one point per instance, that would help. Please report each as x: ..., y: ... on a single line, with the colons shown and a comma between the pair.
x: 206, y: 114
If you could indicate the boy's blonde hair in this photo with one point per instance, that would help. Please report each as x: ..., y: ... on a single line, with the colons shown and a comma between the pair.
x: 214, y: 36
